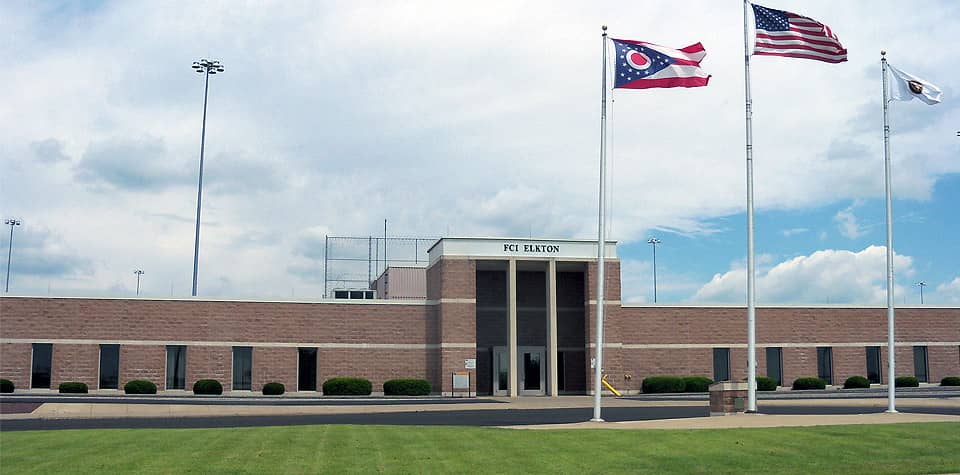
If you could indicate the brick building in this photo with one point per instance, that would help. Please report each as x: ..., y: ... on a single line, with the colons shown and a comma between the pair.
x: 518, y: 315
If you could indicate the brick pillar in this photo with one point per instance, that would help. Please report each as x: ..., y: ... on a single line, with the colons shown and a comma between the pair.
x: 612, y: 357
x: 452, y: 285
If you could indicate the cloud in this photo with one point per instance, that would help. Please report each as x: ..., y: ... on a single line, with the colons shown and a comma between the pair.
x: 793, y: 231
x: 847, y: 223
x: 949, y: 291
x: 825, y: 276
x: 39, y: 252
x: 49, y: 151
x: 131, y: 164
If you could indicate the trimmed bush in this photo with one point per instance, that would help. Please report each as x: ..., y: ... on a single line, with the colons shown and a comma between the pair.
x: 856, y: 382
x: 907, y: 382
x: 948, y: 381
x: 140, y: 386
x: 273, y: 389
x: 6, y: 386
x: 406, y: 387
x: 696, y: 384
x: 347, y: 387
x: 809, y: 383
x: 766, y: 384
x: 73, y: 387
x: 663, y: 384
x: 207, y: 386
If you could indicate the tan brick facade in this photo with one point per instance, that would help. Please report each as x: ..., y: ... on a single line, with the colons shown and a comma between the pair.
x: 430, y: 339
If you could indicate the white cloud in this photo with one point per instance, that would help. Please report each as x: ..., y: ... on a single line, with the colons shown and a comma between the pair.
x: 826, y: 276
x: 847, y: 223
x: 949, y: 292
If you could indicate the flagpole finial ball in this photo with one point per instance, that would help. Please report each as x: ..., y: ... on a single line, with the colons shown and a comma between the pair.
x: 883, y: 53
x: 604, y: 27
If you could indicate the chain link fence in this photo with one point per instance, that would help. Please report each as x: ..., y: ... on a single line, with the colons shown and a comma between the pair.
x: 353, y: 262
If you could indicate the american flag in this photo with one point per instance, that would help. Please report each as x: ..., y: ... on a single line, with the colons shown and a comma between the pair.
x: 781, y: 33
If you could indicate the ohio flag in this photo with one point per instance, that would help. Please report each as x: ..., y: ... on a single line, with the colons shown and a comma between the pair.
x: 642, y: 65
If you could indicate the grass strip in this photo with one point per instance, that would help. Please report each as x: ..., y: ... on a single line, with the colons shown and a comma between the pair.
x: 849, y: 449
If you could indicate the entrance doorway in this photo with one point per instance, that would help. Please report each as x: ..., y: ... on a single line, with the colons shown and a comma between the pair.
x: 531, y: 371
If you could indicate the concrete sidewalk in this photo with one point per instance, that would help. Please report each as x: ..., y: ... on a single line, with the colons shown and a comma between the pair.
x: 753, y: 421
x: 80, y: 410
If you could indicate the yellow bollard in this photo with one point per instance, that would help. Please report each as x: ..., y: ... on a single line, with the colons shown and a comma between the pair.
x: 611, y: 388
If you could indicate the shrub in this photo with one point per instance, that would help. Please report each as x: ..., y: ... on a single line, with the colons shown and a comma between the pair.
x: 766, y: 384
x: 856, y: 382
x: 73, y: 387
x: 6, y: 386
x: 140, y: 386
x: 663, y: 384
x: 273, y: 389
x: 696, y: 384
x: 907, y: 382
x: 406, y: 387
x: 347, y: 387
x: 207, y: 386
x: 948, y: 381
x: 809, y: 383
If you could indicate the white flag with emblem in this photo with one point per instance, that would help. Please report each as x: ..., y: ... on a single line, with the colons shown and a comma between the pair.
x: 907, y: 86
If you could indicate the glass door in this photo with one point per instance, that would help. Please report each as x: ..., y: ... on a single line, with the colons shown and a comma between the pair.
x: 501, y: 374
x: 532, y: 371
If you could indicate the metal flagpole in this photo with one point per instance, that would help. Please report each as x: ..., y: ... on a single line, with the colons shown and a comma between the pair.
x: 751, y: 276
x: 601, y: 240
x: 891, y: 374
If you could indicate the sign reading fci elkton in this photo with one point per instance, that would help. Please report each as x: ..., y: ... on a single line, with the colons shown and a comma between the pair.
x: 565, y: 249
x: 535, y: 248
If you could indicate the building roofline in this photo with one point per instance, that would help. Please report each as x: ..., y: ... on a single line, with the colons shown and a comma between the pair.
x: 508, y: 238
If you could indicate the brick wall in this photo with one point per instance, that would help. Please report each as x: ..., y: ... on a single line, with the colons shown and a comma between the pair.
x: 15, y: 363
x: 75, y: 363
x: 140, y: 362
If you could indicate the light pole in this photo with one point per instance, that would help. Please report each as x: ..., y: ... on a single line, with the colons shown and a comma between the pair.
x: 921, y: 284
x: 206, y: 68
x: 139, y: 272
x: 12, y: 222
x: 654, y: 242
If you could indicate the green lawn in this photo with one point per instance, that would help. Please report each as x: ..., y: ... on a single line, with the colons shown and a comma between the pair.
x: 872, y: 449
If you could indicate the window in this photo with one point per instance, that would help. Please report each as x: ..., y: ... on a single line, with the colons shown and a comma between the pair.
x: 109, y: 366
x: 176, y: 367
x: 920, y: 363
x: 825, y: 363
x: 242, y: 367
x: 873, y: 365
x: 721, y: 364
x: 42, y: 362
x: 775, y: 364
x: 307, y: 369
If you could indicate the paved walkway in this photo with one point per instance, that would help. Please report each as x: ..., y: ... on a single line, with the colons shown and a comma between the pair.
x: 530, y: 412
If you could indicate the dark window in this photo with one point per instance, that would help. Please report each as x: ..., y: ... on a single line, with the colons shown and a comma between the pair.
x: 42, y: 361
x: 109, y: 366
x: 775, y: 365
x: 920, y: 363
x: 176, y: 367
x: 242, y: 367
x: 721, y: 364
x: 873, y: 365
x: 307, y: 372
x: 825, y: 363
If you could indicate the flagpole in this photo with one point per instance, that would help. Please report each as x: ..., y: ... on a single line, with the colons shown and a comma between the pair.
x: 891, y: 373
x: 601, y: 239
x: 751, y: 277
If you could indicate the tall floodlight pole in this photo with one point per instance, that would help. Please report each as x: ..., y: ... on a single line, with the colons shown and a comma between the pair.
x: 12, y: 222
x: 206, y: 68
x: 921, y: 284
x: 139, y: 272
x: 654, y: 242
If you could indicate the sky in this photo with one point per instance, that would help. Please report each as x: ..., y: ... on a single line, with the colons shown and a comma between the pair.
x: 468, y: 119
